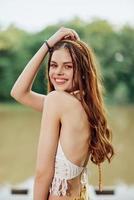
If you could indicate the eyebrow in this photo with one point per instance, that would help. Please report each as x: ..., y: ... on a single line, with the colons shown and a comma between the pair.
x: 63, y: 62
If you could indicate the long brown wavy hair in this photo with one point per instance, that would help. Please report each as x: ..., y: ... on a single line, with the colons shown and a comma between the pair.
x: 89, y: 81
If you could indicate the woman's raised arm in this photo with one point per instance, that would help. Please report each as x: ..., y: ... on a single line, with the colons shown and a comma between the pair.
x: 21, y: 90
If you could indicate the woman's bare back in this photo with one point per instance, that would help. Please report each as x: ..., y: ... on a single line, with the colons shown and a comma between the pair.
x: 75, y: 132
x: 74, y: 139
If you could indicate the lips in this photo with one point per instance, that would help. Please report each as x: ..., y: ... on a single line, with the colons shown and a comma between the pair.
x: 60, y: 80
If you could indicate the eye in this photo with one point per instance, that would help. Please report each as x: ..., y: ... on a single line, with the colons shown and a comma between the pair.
x: 68, y: 66
x: 53, y: 65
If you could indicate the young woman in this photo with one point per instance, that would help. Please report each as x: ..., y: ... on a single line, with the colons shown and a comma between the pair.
x: 74, y: 127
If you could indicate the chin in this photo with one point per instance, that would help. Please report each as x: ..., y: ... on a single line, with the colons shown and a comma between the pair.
x: 62, y: 88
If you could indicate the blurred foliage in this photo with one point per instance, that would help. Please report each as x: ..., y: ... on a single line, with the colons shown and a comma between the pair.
x: 114, y: 49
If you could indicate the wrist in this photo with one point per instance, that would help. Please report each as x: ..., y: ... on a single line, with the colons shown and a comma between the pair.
x: 51, y: 42
x: 48, y: 46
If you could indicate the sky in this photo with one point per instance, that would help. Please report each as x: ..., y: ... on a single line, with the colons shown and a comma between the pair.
x: 34, y: 15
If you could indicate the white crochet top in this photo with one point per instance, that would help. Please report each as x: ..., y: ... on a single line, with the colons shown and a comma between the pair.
x: 65, y: 170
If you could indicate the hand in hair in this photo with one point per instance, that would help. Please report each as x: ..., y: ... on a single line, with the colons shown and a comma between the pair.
x: 63, y: 33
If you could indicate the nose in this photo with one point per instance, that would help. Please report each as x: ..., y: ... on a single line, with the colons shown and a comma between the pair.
x: 59, y: 70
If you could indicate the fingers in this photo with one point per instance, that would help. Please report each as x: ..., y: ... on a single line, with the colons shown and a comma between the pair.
x: 70, y: 34
x: 61, y: 34
x: 75, y: 34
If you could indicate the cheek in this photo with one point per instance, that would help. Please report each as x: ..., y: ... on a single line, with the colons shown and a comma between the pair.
x: 50, y: 73
x: 70, y: 75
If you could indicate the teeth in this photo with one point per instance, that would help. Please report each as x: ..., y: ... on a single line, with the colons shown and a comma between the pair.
x: 60, y: 80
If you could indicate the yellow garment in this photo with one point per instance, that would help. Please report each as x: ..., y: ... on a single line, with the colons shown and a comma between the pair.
x: 83, y: 194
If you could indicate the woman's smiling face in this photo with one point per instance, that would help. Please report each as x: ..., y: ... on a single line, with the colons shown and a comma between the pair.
x: 61, y: 70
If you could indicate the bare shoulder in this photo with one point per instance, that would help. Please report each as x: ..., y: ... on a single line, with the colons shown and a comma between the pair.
x: 54, y: 101
x: 61, y: 99
x: 62, y: 96
x: 54, y: 96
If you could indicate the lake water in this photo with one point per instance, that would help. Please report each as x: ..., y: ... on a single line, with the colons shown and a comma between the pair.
x: 19, y: 132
